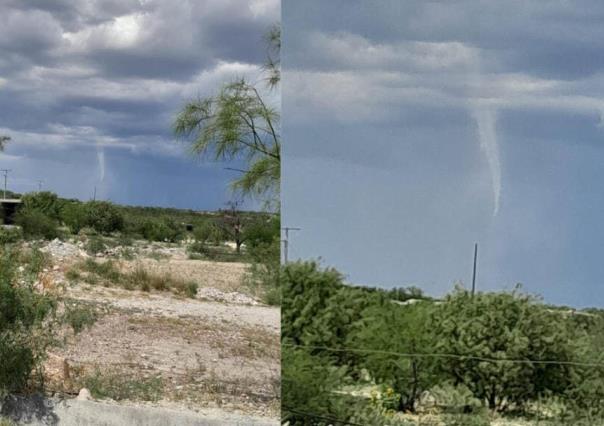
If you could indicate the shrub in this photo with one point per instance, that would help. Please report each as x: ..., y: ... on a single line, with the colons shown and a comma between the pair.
x: 308, y: 385
x: 375, y: 328
x: 74, y: 216
x: 36, y: 224
x: 503, y: 326
x: 191, y: 289
x: 22, y: 314
x: 265, y: 271
x: 45, y: 202
x: 79, y: 317
x: 208, y: 233
x: 161, y: 230
x: 103, y: 217
x: 10, y: 235
x: 95, y: 245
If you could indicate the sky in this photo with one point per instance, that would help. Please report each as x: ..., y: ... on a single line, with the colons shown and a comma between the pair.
x: 89, y: 90
x: 415, y: 129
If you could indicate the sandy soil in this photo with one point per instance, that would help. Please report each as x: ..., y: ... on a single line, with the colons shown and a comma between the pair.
x: 208, y: 354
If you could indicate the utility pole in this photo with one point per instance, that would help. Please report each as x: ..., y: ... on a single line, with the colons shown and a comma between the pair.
x: 474, y: 271
x: 5, y: 172
x: 39, y: 185
x: 286, y: 241
x: 94, y: 196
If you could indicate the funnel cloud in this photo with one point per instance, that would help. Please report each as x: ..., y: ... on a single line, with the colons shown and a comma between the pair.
x: 101, y: 161
x: 486, y: 120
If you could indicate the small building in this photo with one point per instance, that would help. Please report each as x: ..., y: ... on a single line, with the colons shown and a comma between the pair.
x: 8, y: 208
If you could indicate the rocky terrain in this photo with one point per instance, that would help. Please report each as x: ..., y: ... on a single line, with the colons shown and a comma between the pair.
x: 188, y: 333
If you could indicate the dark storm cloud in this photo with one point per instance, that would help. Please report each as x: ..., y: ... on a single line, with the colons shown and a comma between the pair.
x: 81, y: 77
x: 122, y: 67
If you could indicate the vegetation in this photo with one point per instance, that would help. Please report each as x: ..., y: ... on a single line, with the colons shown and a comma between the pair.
x: 474, y: 358
x: 36, y: 225
x: 120, y: 386
x: 108, y: 274
x: 239, y: 124
x: 24, y: 324
x: 79, y: 316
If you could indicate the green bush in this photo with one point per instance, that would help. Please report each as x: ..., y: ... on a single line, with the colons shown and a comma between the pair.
x: 103, y: 217
x: 502, y: 326
x: 208, y: 233
x: 22, y: 315
x: 308, y: 385
x: 74, y: 216
x: 374, y: 327
x: 95, y: 245
x: 45, y: 202
x: 265, y: 270
x: 191, y: 289
x: 36, y: 224
x: 262, y: 232
x: 160, y: 230
x: 79, y: 316
x: 10, y: 235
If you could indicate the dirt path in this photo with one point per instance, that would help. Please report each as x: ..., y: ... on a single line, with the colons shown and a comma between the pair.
x: 168, y: 305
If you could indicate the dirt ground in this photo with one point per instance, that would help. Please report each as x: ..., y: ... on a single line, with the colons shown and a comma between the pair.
x: 219, y: 349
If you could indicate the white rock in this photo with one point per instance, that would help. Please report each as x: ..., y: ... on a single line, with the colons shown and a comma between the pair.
x: 84, y: 395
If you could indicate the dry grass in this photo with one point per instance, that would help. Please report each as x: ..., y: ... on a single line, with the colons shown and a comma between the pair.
x: 108, y: 273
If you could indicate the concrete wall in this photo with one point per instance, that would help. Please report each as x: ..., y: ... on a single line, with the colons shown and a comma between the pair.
x: 44, y: 411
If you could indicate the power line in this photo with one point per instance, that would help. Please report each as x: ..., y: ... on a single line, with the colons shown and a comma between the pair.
x: 444, y: 355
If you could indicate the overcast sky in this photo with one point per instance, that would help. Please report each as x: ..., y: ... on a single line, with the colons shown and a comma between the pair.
x: 89, y: 89
x: 414, y: 129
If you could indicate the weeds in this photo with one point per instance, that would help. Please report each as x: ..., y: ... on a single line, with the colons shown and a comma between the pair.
x: 108, y: 273
x: 95, y: 245
x: 79, y: 316
x: 120, y: 387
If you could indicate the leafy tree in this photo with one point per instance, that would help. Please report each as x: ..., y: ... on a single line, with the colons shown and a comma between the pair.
x: 73, y: 214
x: 402, y: 329
x: 103, y: 217
x: 163, y: 229
x: 586, y: 391
x: 502, y: 326
x: 239, y: 124
x: 45, y: 202
x: 309, y: 383
x: 305, y: 290
x: 208, y: 232
x: 36, y: 224
x: 263, y: 231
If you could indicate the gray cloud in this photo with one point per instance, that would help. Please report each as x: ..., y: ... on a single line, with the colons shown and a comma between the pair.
x: 121, y: 67
x: 93, y: 85
x: 417, y: 128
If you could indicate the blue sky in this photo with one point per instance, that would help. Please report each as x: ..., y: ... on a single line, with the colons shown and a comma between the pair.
x: 414, y: 129
x: 89, y: 89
